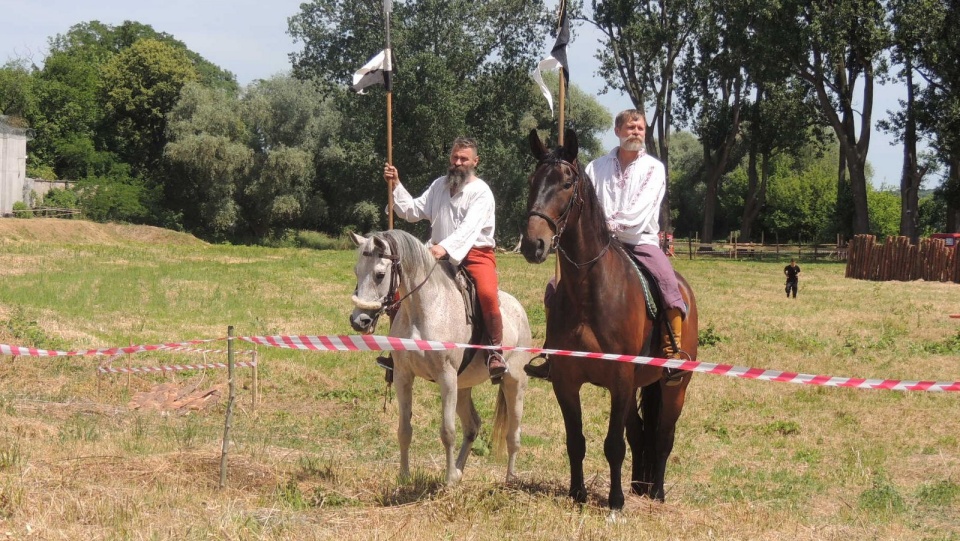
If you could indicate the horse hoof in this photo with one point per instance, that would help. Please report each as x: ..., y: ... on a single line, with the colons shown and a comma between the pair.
x: 615, y: 517
x: 455, y: 478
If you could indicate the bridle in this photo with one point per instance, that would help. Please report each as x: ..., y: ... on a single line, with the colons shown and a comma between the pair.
x: 556, y: 225
x: 387, y: 302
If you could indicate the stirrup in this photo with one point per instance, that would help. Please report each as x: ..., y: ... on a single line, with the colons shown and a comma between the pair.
x: 539, y: 371
x: 497, y: 367
x: 674, y: 376
x: 385, y: 362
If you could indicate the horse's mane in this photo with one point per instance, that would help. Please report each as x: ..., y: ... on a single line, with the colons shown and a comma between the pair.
x: 415, y: 257
x: 555, y: 156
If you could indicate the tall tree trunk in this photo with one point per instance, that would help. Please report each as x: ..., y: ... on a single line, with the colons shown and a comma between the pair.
x: 953, y: 195
x: 756, y: 194
x: 663, y: 138
x: 844, y: 208
x: 852, y: 149
x: 911, y: 176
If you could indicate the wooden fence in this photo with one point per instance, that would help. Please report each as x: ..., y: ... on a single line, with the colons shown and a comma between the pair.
x: 897, y: 259
x: 693, y: 248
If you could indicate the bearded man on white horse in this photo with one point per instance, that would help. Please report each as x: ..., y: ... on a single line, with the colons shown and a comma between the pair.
x: 460, y: 208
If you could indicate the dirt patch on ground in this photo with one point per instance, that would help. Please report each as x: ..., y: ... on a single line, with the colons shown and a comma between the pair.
x: 52, y: 230
x: 169, y: 396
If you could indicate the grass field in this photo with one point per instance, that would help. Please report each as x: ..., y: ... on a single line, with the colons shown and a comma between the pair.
x: 318, y: 459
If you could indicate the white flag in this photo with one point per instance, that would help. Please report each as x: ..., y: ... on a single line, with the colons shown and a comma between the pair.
x: 547, y: 64
x: 372, y: 72
x: 557, y: 58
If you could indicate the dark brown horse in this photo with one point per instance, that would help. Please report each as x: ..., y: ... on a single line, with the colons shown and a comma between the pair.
x: 599, y: 307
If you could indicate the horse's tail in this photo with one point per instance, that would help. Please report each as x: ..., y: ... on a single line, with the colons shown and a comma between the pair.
x: 499, y: 433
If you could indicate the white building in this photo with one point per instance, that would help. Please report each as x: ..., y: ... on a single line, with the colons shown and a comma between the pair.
x: 13, y: 164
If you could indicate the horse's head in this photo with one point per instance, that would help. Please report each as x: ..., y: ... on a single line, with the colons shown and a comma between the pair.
x: 378, y: 276
x: 553, y: 190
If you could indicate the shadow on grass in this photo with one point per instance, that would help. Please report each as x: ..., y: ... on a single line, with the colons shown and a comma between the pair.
x: 419, y: 487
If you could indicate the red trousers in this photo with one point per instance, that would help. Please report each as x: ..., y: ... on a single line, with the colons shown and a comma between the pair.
x: 481, y: 264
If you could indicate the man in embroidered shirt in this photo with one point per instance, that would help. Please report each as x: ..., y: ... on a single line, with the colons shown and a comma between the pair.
x: 630, y: 185
x: 460, y: 208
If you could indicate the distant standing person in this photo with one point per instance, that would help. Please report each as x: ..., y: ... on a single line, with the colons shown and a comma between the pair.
x: 792, y: 272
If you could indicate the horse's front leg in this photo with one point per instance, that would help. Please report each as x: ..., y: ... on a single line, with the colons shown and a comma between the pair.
x: 448, y: 423
x: 614, y: 446
x: 568, y: 396
x: 470, y: 422
x: 403, y: 383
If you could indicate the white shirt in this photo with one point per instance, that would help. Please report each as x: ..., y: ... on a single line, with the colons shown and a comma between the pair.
x: 458, y: 223
x: 631, y: 198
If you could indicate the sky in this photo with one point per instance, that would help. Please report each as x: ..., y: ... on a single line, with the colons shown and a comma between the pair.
x: 249, y: 38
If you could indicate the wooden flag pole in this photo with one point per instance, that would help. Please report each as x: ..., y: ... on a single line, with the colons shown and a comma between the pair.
x: 388, y: 84
x: 561, y: 106
x: 389, y: 155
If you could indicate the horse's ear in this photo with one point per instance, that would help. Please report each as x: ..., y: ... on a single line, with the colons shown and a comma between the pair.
x: 357, y: 239
x: 570, y: 146
x: 380, y: 244
x: 536, y: 145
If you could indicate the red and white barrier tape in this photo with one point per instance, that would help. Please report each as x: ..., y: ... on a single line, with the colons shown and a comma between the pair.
x: 34, y: 352
x: 389, y: 343
x: 171, y: 368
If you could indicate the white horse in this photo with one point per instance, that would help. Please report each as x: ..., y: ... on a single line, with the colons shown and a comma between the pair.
x: 432, y: 308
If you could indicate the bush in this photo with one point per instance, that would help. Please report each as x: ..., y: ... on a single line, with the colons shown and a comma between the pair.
x: 21, y: 210
x: 366, y: 216
x: 60, y: 198
x: 318, y: 241
x: 41, y: 171
x: 114, y: 200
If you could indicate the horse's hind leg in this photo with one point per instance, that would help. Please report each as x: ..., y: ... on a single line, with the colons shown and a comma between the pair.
x: 470, y: 421
x: 672, y: 406
x: 635, y: 440
x: 506, y: 425
x: 645, y: 454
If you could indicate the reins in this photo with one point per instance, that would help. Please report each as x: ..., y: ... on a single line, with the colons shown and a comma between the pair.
x: 555, y: 225
x: 387, y: 304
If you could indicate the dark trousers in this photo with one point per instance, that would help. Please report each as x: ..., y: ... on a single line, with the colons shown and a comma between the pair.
x: 792, y: 286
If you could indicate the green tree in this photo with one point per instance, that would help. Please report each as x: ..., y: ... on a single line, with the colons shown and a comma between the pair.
x: 290, y: 122
x: 884, y: 212
x: 802, y: 194
x: 641, y: 50
x: 140, y: 85
x: 247, y: 167
x: 17, y: 97
x: 713, y: 90
x: 209, y: 151
x: 838, y: 49
x: 780, y: 120
x: 911, y: 30
x: 463, y: 69
x: 936, y: 48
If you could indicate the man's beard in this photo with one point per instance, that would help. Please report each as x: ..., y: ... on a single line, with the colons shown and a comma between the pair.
x: 632, y: 144
x: 457, y: 177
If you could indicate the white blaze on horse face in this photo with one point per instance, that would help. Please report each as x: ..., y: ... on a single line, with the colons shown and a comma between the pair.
x: 373, y: 279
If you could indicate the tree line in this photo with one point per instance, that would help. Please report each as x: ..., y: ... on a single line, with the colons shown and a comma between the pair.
x: 762, y: 114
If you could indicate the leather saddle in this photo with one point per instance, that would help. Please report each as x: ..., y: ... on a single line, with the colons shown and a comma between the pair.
x: 472, y: 313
